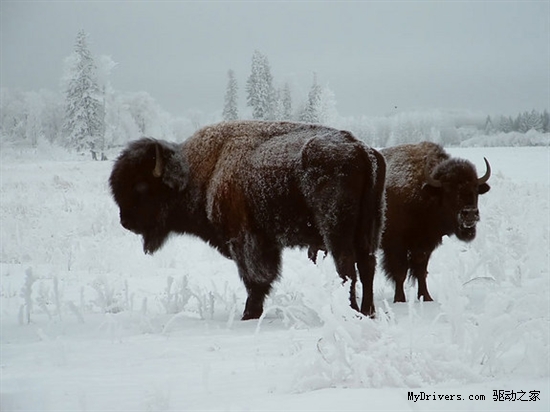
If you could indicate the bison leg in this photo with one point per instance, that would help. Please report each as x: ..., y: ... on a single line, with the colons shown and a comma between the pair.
x: 395, y: 266
x: 345, y: 266
x: 367, y: 265
x: 255, y: 302
x: 259, y: 266
x: 419, y: 271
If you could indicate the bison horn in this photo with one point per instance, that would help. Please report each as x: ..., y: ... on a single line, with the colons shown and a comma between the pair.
x: 487, y: 174
x: 430, y: 180
x: 157, y: 171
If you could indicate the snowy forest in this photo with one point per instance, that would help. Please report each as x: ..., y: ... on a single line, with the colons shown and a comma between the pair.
x: 89, y: 115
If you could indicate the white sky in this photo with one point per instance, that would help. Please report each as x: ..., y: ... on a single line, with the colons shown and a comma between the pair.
x: 489, y: 56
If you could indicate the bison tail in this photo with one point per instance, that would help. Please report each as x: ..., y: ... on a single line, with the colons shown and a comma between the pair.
x: 373, y: 205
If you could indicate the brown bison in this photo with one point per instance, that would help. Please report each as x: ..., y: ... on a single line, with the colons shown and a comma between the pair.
x: 252, y: 188
x: 428, y: 195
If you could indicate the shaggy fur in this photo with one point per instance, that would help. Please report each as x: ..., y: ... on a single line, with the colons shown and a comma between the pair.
x: 252, y: 188
x: 418, y: 214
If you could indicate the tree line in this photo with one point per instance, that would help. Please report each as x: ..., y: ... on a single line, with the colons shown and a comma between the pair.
x: 93, y: 117
x: 522, y: 123
x: 269, y: 102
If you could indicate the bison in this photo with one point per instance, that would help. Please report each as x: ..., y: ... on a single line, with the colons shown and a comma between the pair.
x: 252, y: 188
x: 429, y: 194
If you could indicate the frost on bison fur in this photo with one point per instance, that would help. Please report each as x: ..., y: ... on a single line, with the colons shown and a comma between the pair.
x: 429, y: 195
x: 250, y: 189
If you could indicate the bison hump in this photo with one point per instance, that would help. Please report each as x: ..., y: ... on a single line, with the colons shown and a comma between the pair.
x: 330, y: 150
x: 406, y: 164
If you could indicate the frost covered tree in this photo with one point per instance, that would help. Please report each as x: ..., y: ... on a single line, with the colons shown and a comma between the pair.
x: 327, y: 113
x: 320, y: 106
x: 278, y: 105
x: 506, y: 124
x: 282, y: 107
x: 286, y: 102
x: 545, y: 118
x: 26, y: 118
x: 34, y: 130
x: 149, y: 117
x: 259, y: 88
x: 12, y: 114
x: 84, y: 114
x: 52, y: 115
x: 401, y: 131
x: 530, y: 120
x: 489, y: 127
x: 310, y: 114
x: 230, y: 111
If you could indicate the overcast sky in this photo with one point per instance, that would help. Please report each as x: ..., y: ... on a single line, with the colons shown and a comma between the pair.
x: 488, y: 56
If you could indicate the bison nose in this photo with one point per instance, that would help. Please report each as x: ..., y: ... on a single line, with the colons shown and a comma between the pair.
x: 469, y: 216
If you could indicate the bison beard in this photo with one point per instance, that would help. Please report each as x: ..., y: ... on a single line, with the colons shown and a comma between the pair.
x: 428, y: 195
x: 250, y: 189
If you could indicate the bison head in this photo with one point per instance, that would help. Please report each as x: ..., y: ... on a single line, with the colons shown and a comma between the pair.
x: 144, y: 182
x: 455, y: 184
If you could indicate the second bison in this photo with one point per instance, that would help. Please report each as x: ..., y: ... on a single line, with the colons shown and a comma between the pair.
x: 252, y: 188
x: 429, y: 194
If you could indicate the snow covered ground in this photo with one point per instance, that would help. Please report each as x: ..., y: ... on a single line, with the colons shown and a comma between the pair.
x: 89, y: 323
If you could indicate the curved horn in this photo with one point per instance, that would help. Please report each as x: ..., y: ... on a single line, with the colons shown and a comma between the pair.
x: 429, y: 179
x: 157, y: 171
x: 487, y: 175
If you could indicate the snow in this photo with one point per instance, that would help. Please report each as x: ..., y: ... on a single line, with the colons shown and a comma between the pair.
x: 89, y: 323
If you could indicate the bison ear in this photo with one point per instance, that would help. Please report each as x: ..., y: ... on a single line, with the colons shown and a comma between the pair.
x: 170, y: 165
x: 483, y: 188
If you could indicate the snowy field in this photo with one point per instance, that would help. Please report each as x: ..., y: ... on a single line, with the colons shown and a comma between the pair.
x: 89, y: 323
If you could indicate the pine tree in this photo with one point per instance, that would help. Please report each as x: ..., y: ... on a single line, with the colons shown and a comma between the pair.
x: 84, y: 113
x: 230, y: 111
x: 326, y: 112
x: 311, y: 111
x: 489, y: 127
x: 278, y: 108
x: 505, y: 124
x: 287, y: 102
x: 545, y: 119
x: 259, y: 88
x: 282, y: 107
x: 517, y: 123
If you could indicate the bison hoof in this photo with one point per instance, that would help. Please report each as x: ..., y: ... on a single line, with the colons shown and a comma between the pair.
x: 247, y: 316
x: 251, y: 314
x: 253, y: 308
x: 370, y: 312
